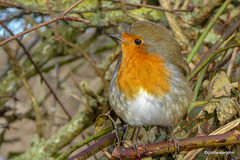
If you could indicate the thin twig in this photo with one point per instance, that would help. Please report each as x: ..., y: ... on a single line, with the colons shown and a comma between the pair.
x: 185, y: 5
x: 190, y: 122
x: 39, y: 72
x: 177, y: 31
x: 207, y: 60
x: 84, y: 104
x: 229, y: 70
x: 74, y: 148
x: 10, y: 96
x: 28, y: 88
x: 49, y: 6
x: 205, y: 12
x: 221, y: 130
x: 99, y: 72
x: 61, y: 17
x: 70, y: 8
x: 28, y: 10
x: 204, y: 34
x: 97, y: 146
x: 150, y: 6
x: 128, y: 14
x: 13, y: 17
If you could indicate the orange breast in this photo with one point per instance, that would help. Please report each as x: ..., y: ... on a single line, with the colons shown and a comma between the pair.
x: 140, y: 70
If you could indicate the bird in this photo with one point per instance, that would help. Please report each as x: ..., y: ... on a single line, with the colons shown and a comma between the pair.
x: 149, y: 85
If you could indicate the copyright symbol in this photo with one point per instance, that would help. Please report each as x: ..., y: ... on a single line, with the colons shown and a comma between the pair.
x: 205, y: 152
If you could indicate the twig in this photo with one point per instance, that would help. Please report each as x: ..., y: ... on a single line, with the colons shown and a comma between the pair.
x: 100, y: 9
x: 83, y: 53
x: 229, y: 70
x: 84, y: 104
x: 200, y: 103
x: 70, y: 8
x: 100, y: 73
x: 39, y: 72
x: 184, y: 145
x: 205, y: 12
x: 61, y: 17
x: 185, y: 4
x: 13, y: 17
x: 182, y: 128
x: 84, y: 137
x: 28, y: 88
x: 74, y: 148
x: 177, y: 4
x: 221, y: 130
x: 150, y: 6
x: 10, y: 96
x: 212, y: 55
x: 204, y: 34
x: 96, y: 147
x: 177, y: 31
x: 28, y: 10
x: 125, y: 11
x: 49, y: 6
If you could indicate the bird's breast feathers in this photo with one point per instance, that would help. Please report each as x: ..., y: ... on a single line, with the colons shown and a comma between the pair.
x: 142, y: 71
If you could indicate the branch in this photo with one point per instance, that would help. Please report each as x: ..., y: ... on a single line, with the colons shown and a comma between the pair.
x: 184, y: 145
x: 96, y: 147
x: 40, y: 73
x: 150, y: 6
x: 70, y: 8
x: 99, y: 72
x: 212, y: 52
x: 177, y: 31
x: 74, y: 148
x: 19, y: 56
x: 13, y: 17
x: 204, y: 34
x: 61, y: 17
x: 28, y: 10
x: 205, y: 12
x: 125, y: 11
x: 33, y: 98
x: 49, y: 6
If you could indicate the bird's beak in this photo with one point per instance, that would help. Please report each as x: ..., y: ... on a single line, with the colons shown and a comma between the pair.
x: 117, y: 37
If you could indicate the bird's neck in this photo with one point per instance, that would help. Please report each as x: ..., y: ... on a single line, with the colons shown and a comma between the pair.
x: 142, y: 71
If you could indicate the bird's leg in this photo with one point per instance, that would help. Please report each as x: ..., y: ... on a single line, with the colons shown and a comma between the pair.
x: 137, y: 134
x: 135, y: 145
x: 174, y: 140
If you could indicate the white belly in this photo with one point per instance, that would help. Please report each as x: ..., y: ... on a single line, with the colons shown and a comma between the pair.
x: 149, y: 110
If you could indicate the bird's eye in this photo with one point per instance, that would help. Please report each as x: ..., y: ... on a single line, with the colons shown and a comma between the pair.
x: 137, y: 41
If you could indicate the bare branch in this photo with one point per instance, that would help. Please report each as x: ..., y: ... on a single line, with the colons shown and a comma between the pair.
x: 70, y: 8
x: 184, y: 145
x: 39, y: 72
x: 61, y: 17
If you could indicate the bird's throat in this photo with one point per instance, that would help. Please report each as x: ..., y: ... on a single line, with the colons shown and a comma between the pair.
x: 142, y: 71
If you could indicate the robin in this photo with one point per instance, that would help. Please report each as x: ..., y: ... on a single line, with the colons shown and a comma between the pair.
x: 149, y: 85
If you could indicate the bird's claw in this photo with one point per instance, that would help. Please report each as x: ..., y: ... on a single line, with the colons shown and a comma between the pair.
x: 135, y: 148
x: 174, y: 140
x: 176, y: 144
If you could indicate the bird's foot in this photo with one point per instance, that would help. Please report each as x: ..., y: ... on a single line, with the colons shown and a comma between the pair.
x: 136, y: 146
x: 174, y: 140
